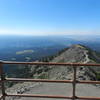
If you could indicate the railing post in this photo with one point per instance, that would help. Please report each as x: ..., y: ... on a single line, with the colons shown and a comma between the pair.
x: 2, y: 81
x: 74, y: 82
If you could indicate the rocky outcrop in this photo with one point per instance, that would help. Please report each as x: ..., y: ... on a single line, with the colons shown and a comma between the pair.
x: 76, y: 53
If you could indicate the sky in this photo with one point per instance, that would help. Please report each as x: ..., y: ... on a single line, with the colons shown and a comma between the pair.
x: 49, y: 17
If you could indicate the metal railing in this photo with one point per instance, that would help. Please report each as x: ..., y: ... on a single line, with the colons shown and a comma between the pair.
x: 74, y: 81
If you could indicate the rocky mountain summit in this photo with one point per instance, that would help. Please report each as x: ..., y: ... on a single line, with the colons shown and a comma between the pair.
x: 73, y: 54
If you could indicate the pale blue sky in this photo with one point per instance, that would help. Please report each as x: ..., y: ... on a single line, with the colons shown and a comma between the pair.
x: 47, y: 17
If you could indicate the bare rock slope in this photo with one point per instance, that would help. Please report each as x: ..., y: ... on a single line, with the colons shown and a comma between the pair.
x: 75, y: 53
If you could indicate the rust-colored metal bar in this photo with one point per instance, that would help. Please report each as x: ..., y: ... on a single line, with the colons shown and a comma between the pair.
x: 51, y: 81
x: 2, y: 81
x: 41, y: 96
x: 37, y: 80
x: 88, y: 98
x: 51, y: 63
x: 54, y: 96
x: 88, y: 82
x: 74, y: 83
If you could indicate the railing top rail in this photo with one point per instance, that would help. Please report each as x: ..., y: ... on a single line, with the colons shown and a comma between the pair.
x: 50, y: 63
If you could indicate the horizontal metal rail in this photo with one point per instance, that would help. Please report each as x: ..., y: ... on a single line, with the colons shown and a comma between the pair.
x: 88, y: 82
x: 53, y: 96
x: 41, y: 96
x: 50, y: 63
x: 38, y: 80
x: 87, y: 98
x: 74, y: 81
x: 48, y: 81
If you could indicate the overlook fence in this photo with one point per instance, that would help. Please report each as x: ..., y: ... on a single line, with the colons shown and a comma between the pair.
x: 74, y: 81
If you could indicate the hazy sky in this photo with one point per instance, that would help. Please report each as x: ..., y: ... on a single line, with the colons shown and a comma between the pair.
x: 48, y: 17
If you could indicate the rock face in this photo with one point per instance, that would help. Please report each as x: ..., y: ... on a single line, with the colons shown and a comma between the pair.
x: 75, y: 53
